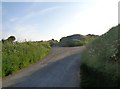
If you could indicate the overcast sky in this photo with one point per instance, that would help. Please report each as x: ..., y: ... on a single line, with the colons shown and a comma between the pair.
x: 46, y: 20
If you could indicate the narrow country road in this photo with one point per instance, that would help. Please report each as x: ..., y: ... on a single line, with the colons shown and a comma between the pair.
x: 61, y: 68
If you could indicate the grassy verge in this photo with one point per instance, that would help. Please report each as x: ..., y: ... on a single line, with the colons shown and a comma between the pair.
x: 100, y: 61
x: 0, y: 59
x: 19, y: 55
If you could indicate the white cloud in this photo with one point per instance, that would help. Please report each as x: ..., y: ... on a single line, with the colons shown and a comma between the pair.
x: 32, y: 14
x: 97, y: 19
x: 28, y: 32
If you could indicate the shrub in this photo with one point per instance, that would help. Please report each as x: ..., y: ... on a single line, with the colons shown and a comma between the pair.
x: 19, y: 55
x: 100, y: 61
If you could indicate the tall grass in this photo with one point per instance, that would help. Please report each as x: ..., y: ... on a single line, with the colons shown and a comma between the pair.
x: 19, y: 55
x: 100, y: 61
x: 0, y: 58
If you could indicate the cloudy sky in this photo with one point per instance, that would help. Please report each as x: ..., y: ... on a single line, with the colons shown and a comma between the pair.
x: 38, y: 20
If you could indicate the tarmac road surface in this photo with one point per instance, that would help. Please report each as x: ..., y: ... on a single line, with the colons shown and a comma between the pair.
x: 61, y: 68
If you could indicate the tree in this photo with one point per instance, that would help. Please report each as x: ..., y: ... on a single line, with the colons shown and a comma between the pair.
x: 53, y: 40
x: 3, y: 40
x: 11, y: 39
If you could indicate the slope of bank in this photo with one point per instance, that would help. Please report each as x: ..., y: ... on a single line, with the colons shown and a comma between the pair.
x: 100, y: 61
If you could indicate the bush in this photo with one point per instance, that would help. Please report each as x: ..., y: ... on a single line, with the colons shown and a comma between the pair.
x: 19, y: 55
x: 76, y: 40
x: 100, y: 61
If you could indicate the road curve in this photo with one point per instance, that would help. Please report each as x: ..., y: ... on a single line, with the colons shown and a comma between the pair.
x: 61, y: 68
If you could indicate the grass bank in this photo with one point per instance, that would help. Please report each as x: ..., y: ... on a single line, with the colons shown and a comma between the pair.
x: 19, y: 55
x: 100, y: 61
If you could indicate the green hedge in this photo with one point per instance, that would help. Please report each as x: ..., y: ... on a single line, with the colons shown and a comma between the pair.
x: 100, y: 61
x: 19, y: 55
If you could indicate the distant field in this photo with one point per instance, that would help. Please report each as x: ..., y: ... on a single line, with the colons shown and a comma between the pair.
x: 100, y: 61
x: 16, y: 56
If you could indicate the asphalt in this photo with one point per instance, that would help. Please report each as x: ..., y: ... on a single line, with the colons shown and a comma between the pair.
x: 61, y: 68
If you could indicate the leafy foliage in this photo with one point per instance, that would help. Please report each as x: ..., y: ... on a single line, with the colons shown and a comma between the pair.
x: 9, y: 40
x: 76, y: 40
x: 100, y: 61
x: 53, y: 42
x: 19, y: 55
